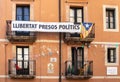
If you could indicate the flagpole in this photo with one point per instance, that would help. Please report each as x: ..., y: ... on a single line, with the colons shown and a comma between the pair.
x: 59, y: 10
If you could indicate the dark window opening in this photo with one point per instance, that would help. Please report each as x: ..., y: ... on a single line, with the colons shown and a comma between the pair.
x: 77, y: 59
x: 111, y: 55
x: 110, y: 19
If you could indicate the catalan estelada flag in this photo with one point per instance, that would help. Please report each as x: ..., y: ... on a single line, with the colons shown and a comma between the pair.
x: 85, y: 29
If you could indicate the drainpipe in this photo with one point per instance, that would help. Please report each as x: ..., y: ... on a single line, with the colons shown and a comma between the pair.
x: 5, y: 62
x: 59, y: 13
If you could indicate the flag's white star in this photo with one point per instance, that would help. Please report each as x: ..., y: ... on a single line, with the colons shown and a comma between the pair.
x: 86, y: 25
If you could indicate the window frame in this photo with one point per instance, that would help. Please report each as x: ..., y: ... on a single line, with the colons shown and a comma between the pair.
x: 25, y: 3
x: 23, y: 13
x: 22, y: 7
x: 110, y: 11
x: 111, y: 55
x: 117, y: 55
x: 22, y: 63
x: 76, y: 15
x: 115, y: 8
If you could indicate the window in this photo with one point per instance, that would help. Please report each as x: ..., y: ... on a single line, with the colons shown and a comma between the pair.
x: 21, y: 66
x: 76, y: 15
x: 23, y: 13
x: 111, y: 55
x: 110, y: 18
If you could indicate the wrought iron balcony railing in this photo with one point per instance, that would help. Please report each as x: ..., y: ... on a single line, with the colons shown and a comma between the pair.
x: 19, y: 37
x: 22, y: 69
x: 79, y: 69
x: 85, y: 35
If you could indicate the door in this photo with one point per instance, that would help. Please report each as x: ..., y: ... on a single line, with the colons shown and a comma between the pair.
x: 77, y: 59
x: 22, y: 60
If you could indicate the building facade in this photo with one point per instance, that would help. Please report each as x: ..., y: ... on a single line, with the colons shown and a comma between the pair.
x: 89, y: 56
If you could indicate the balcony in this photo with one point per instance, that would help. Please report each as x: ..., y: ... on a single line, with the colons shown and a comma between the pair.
x: 85, y: 36
x: 22, y: 69
x: 78, y: 70
x: 19, y: 37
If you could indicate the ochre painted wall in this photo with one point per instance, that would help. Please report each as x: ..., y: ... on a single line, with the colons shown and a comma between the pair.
x: 47, y: 11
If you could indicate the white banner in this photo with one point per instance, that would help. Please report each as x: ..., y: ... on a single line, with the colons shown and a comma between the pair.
x: 45, y: 26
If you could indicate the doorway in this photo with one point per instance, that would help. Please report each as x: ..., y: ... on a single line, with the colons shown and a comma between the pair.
x: 77, y: 59
x: 22, y: 60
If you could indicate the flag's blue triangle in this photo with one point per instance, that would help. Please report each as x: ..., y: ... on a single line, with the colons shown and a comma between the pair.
x: 87, y: 25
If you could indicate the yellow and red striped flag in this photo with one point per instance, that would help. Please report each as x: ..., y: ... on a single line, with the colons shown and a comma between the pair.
x: 85, y: 29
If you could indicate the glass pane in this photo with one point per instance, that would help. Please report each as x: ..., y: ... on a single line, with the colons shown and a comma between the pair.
x: 25, y: 50
x: 111, y: 25
x: 106, y: 19
x: 25, y: 64
x: 71, y: 19
x: 26, y: 18
x: 111, y: 52
x: 107, y: 25
x: 79, y: 53
x: 79, y: 20
x: 111, y: 19
x: 19, y: 57
x: 19, y: 50
x: 26, y: 11
x: 111, y: 13
x: 111, y: 58
x: 20, y: 64
x: 25, y: 57
x: 19, y: 11
x: 79, y: 13
x: 19, y: 18
x: 72, y: 13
